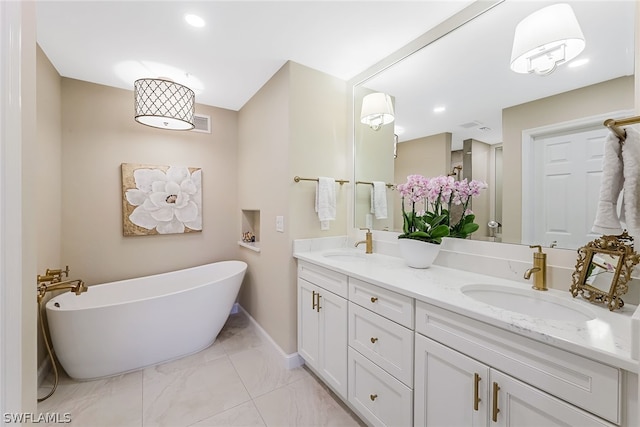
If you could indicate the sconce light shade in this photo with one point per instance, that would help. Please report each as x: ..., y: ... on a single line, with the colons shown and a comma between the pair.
x: 164, y: 104
x: 545, y: 39
x: 377, y: 110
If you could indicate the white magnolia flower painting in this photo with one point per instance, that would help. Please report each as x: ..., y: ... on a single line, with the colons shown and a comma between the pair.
x: 161, y: 199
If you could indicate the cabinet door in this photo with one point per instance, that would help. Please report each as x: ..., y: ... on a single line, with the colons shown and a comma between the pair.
x: 308, y: 324
x: 333, y: 340
x: 520, y: 405
x: 451, y: 389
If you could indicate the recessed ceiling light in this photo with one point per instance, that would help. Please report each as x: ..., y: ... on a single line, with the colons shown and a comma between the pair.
x: 578, y: 62
x: 194, y: 20
x: 439, y: 109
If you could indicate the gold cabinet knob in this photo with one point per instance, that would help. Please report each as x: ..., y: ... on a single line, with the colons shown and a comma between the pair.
x: 374, y: 299
x: 373, y: 340
x: 373, y: 397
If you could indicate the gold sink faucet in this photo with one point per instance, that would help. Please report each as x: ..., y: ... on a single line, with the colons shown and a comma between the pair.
x: 539, y: 269
x: 368, y: 241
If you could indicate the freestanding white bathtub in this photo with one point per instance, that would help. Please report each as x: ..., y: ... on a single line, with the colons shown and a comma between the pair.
x: 130, y: 324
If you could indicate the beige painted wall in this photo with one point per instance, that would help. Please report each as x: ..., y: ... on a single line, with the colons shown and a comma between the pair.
x: 48, y: 170
x: 429, y: 156
x: 295, y: 125
x: 98, y: 134
x: 601, y: 98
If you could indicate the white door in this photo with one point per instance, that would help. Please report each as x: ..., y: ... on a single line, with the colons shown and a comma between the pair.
x: 451, y: 389
x: 333, y: 340
x: 520, y: 405
x: 308, y: 323
x: 568, y: 170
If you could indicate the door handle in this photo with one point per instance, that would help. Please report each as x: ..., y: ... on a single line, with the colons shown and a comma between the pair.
x: 494, y: 412
x: 476, y: 396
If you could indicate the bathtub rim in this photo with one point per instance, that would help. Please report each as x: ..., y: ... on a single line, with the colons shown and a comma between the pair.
x: 68, y: 294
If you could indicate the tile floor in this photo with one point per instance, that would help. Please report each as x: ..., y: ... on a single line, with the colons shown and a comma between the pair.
x: 238, y: 381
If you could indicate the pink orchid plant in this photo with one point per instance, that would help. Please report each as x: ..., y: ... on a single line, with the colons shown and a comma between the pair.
x: 430, y: 201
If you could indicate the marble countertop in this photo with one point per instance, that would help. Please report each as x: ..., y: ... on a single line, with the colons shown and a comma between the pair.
x: 606, y: 338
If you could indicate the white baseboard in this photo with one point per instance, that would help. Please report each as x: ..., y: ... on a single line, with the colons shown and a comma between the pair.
x: 290, y: 361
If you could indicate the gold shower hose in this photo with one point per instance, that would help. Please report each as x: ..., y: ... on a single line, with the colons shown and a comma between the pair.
x: 53, y: 362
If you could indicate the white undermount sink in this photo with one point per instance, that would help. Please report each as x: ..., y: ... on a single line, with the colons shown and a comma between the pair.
x: 345, y: 255
x: 530, y: 302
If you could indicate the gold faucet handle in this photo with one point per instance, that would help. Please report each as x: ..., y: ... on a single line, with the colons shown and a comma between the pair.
x: 46, y: 278
x: 536, y: 246
x: 365, y: 228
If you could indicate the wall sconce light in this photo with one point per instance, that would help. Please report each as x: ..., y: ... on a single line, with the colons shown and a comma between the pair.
x: 164, y: 104
x: 545, y: 39
x: 377, y: 110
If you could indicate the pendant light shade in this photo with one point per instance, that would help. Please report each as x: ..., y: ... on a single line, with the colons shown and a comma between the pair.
x: 164, y: 104
x: 545, y: 39
x: 377, y: 110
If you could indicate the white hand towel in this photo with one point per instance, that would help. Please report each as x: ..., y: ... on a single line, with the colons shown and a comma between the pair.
x: 326, y: 199
x: 379, y: 199
x: 607, y: 220
x: 631, y: 169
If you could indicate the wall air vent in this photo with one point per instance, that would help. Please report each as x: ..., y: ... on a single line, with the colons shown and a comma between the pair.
x: 202, y: 123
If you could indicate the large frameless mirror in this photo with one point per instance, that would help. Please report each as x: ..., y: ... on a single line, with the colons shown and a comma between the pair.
x: 537, y: 140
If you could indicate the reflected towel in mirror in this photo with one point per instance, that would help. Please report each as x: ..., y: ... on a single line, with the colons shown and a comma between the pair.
x: 379, y: 199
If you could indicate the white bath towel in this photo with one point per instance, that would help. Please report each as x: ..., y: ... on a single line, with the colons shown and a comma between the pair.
x: 326, y: 199
x: 379, y: 199
x: 607, y: 220
x: 631, y: 186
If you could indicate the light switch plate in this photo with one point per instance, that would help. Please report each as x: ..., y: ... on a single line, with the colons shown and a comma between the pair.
x: 280, y: 223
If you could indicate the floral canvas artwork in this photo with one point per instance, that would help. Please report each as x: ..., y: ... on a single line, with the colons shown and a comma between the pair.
x: 161, y: 199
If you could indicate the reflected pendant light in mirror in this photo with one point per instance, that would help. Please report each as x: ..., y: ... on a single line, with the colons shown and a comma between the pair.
x: 377, y: 110
x: 164, y: 104
x: 545, y: 39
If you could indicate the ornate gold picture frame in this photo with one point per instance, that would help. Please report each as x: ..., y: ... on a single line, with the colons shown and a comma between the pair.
x: 603, y: 270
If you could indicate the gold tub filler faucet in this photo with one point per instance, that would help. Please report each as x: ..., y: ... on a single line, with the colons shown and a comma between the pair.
x: 52, y: 281
x: 539, y: 269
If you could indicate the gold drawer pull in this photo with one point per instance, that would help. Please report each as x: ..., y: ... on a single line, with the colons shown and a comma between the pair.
x: 373, y: 340
x: 374, y: 299
x: 494, y: 412
x: 476, y: 397
x: 318, y: 304
x: 313, y: 300
x: 373, y: 397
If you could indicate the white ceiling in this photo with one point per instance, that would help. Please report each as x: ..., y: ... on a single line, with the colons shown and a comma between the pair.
x: 242, y: 45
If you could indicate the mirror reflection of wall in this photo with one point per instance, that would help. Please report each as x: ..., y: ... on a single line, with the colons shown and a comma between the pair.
x: 486, y: 102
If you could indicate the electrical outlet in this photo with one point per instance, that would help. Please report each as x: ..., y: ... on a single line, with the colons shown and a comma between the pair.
x: 280, y: 223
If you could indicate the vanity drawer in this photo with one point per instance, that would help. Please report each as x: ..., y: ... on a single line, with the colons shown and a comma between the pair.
x: 325, y: 278
x: 389, y: 304
x: 380, y: 398
x: 588, y: 384
x: 386, y: 343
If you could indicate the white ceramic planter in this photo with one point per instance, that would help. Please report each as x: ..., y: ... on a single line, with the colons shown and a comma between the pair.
x: 418, y: 254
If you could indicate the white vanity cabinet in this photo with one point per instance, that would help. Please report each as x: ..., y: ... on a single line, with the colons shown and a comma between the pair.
x: 455, y: 390
x: 486, y: 376
x: 322, y: 324
x: 380, y: 354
